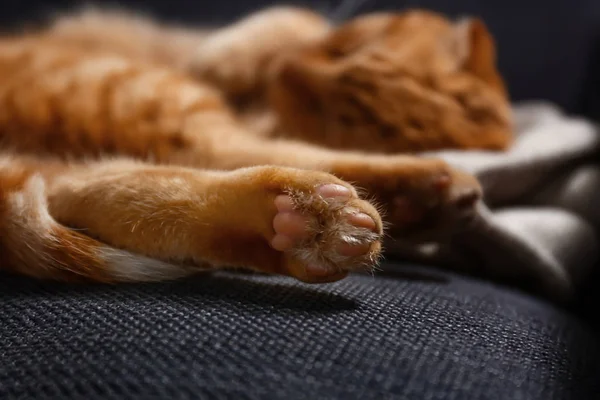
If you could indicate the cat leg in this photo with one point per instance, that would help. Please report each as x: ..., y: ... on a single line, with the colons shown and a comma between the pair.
x: 33, y: 243
x: 233, y: 58
x: 127, y: 34
x: 305, y: 224
x: 236, y: 58
x: 423, y: 199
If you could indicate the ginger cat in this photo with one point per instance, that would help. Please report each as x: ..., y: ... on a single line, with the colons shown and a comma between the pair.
x: 134, y: 151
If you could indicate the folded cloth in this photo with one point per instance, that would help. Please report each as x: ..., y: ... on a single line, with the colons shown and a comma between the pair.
x: 538, y: 224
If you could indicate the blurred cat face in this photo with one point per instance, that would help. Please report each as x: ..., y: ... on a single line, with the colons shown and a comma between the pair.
x: 396, y: 83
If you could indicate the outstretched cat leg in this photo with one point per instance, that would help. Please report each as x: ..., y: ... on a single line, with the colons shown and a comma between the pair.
x: 237, y: 58
x: 423, y: 199
x: 233, y: 58
x: 126, y: 221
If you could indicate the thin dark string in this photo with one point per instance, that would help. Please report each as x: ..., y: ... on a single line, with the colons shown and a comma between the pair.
x: 346, y: 10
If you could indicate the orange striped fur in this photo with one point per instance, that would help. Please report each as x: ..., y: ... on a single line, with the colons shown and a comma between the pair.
x: 133, y: 151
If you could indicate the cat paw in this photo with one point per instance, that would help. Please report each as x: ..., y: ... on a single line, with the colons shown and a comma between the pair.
x: 326, y: 233
x: 223, y: 62
x: 423, y: 199
x: 236, y: 59
x: 441, y: 206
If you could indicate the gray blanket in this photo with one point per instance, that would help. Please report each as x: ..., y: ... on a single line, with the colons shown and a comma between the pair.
x: 538, y: 224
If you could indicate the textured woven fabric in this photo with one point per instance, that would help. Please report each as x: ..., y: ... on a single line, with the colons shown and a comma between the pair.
x: 229, y: 336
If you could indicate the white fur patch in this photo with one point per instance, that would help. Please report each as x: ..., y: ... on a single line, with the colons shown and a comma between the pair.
x: 6, y: 162
x: 30, y: 206
x: 29, y: 224
x: 126, y: 266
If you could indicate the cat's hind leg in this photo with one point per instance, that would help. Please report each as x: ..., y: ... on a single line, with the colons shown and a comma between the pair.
x: 33, y: 243
x: 237, y: 57
x: 305, y: 224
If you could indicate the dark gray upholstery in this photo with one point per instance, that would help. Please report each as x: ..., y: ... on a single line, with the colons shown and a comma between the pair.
x: 421, y: 334
x: 418, y: 335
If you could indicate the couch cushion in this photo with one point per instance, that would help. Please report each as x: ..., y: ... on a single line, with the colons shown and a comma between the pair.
x: 420, y: 334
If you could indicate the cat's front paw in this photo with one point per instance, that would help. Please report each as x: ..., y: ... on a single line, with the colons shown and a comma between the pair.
x: 423, y: 199
x: 437, y: 209
x: 326, y: 233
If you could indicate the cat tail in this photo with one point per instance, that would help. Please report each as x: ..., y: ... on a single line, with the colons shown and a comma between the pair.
x: 32, y: 243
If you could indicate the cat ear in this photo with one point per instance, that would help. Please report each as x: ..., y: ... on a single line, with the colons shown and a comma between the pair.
x: 474, y: 46
x: 476, y: 51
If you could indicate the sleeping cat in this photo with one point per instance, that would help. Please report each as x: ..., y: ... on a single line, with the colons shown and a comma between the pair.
x: 134, y: 151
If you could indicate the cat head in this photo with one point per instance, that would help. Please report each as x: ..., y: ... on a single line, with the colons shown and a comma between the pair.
x: 407, y: 82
